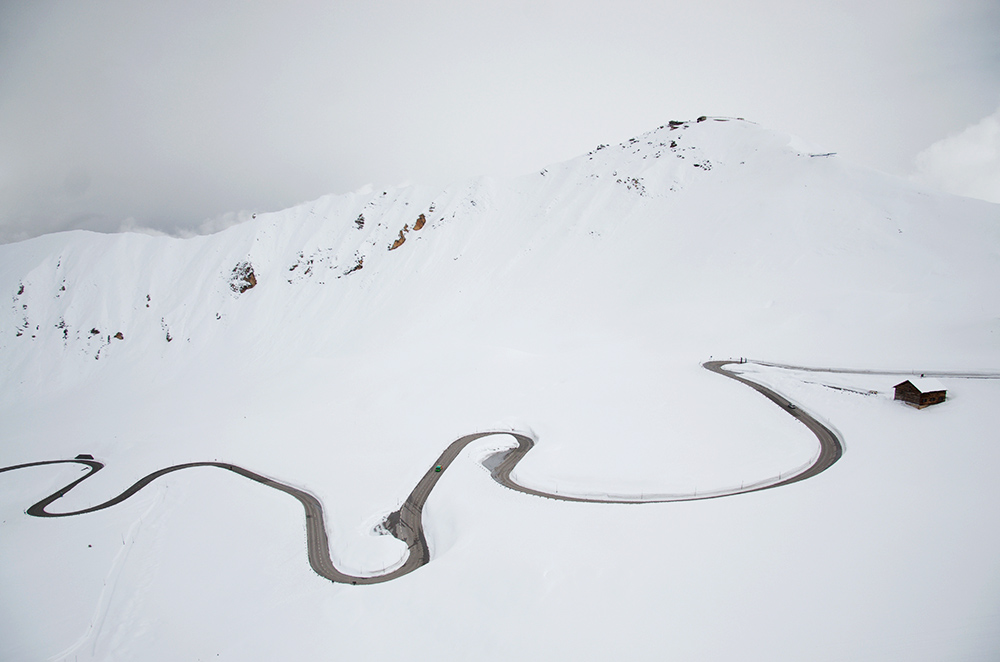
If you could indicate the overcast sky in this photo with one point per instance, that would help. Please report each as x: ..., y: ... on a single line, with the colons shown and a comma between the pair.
x: 163, y: 115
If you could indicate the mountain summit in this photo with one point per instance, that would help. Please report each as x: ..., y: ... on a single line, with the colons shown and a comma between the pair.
x: 710, y: 235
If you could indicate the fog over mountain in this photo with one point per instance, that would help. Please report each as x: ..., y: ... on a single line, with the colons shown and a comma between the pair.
x: 187, y: 117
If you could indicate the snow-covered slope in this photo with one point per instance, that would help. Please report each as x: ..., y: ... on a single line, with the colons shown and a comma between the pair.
x: 577, y: 302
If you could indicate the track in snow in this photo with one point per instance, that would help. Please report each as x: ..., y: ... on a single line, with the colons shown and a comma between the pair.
x: 406, y: 524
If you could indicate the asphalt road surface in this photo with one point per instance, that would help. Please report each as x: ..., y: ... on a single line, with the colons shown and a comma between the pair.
x: 406, y: 524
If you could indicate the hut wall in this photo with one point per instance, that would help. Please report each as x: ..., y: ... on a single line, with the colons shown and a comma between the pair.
x: 907, y: 392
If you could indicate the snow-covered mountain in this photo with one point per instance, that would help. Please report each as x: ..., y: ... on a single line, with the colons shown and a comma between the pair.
x: 341, y: 344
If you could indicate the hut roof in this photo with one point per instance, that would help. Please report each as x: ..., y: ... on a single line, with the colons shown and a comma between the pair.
x: 925, y: 384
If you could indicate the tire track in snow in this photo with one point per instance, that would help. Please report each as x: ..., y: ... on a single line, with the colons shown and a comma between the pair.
x: 406, y: 524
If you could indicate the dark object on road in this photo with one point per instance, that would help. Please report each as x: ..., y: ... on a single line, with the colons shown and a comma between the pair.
x: 438, y: 468
x: 792, y: 406
x: 921, y: 392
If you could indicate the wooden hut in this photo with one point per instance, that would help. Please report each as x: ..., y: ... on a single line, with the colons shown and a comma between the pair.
x: 920, y: 392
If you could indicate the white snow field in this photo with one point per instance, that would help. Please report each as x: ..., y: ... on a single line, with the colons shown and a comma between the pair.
x: 576, y: 303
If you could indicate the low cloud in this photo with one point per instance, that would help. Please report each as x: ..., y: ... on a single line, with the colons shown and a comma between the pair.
x: 967, y: 163
x: 154, y: 118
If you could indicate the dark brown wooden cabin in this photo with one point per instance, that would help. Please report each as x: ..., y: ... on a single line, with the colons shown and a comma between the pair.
x: 920, y: 392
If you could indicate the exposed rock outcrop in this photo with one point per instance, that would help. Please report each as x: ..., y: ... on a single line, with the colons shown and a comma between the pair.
x: 399, y: 241
x: 243, y: 277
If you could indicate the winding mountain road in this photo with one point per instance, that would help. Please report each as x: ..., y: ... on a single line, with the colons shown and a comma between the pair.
x: 406, y: 524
